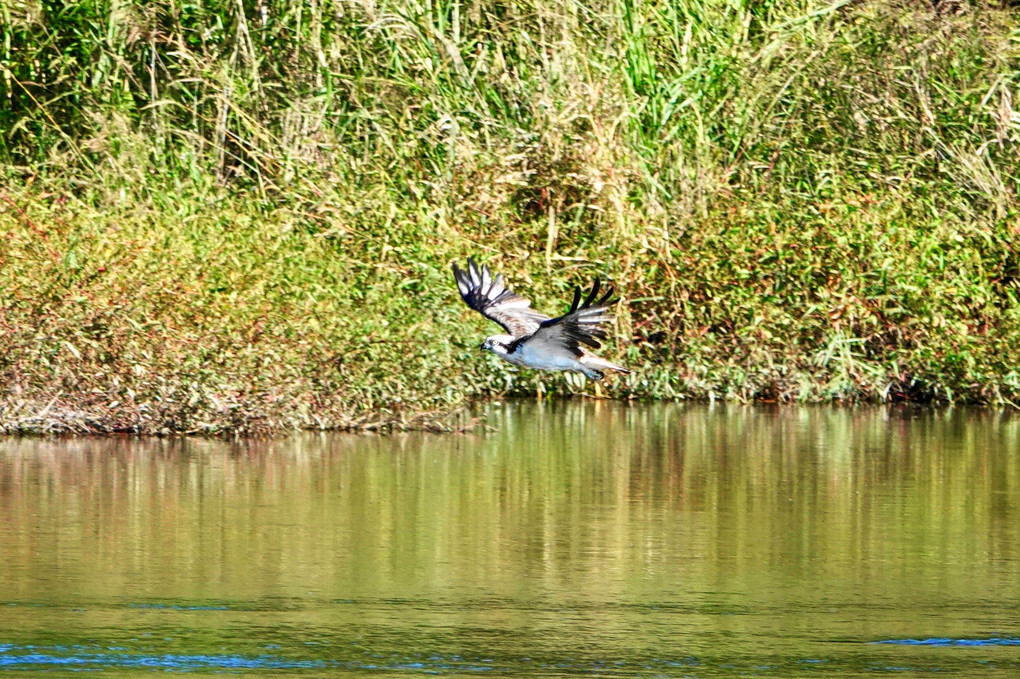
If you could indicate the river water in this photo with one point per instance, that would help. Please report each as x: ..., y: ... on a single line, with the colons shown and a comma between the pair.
x: 567, y: 539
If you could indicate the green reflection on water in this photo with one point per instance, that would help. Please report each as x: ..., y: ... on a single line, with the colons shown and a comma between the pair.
x: 575, y: 538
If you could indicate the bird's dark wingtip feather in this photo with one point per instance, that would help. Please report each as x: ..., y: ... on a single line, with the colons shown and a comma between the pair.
x: 463, y: 282
x: 577, y: 299
x: 594, y: 291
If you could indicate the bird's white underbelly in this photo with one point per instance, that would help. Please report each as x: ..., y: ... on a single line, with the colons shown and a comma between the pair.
x: 543, y: 359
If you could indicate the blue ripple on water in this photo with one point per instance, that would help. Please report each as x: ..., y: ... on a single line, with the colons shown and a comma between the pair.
x: 178, y: 607
x: 80, y: 657
x: 30, y: 655
x: 948, y: 641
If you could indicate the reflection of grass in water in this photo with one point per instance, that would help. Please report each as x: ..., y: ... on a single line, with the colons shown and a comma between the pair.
x: 220, y: 219
x: 570, y: 498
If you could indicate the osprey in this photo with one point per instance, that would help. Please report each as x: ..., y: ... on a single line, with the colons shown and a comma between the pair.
x: 535, y: 340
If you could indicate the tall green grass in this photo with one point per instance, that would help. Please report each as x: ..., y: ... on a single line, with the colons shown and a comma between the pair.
x: 240, y: 215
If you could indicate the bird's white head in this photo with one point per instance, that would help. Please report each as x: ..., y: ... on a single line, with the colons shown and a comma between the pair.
x: 498, y: 344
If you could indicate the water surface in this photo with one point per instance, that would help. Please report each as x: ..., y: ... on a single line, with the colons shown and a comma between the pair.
x: 571, y: 539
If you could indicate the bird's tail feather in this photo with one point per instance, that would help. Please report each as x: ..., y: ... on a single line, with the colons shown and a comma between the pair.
x: 599, y: 363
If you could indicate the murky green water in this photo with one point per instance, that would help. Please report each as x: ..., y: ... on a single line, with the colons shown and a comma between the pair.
x: 575, y: 539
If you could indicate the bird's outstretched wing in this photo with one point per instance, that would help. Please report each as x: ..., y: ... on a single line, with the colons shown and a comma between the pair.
x: 580, y: 325
x: 491, y: 298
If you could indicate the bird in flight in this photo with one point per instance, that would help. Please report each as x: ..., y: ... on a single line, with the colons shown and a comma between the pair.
x: 536, y: 340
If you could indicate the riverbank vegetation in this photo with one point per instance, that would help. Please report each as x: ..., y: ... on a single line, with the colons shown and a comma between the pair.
x: 240, y: 216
